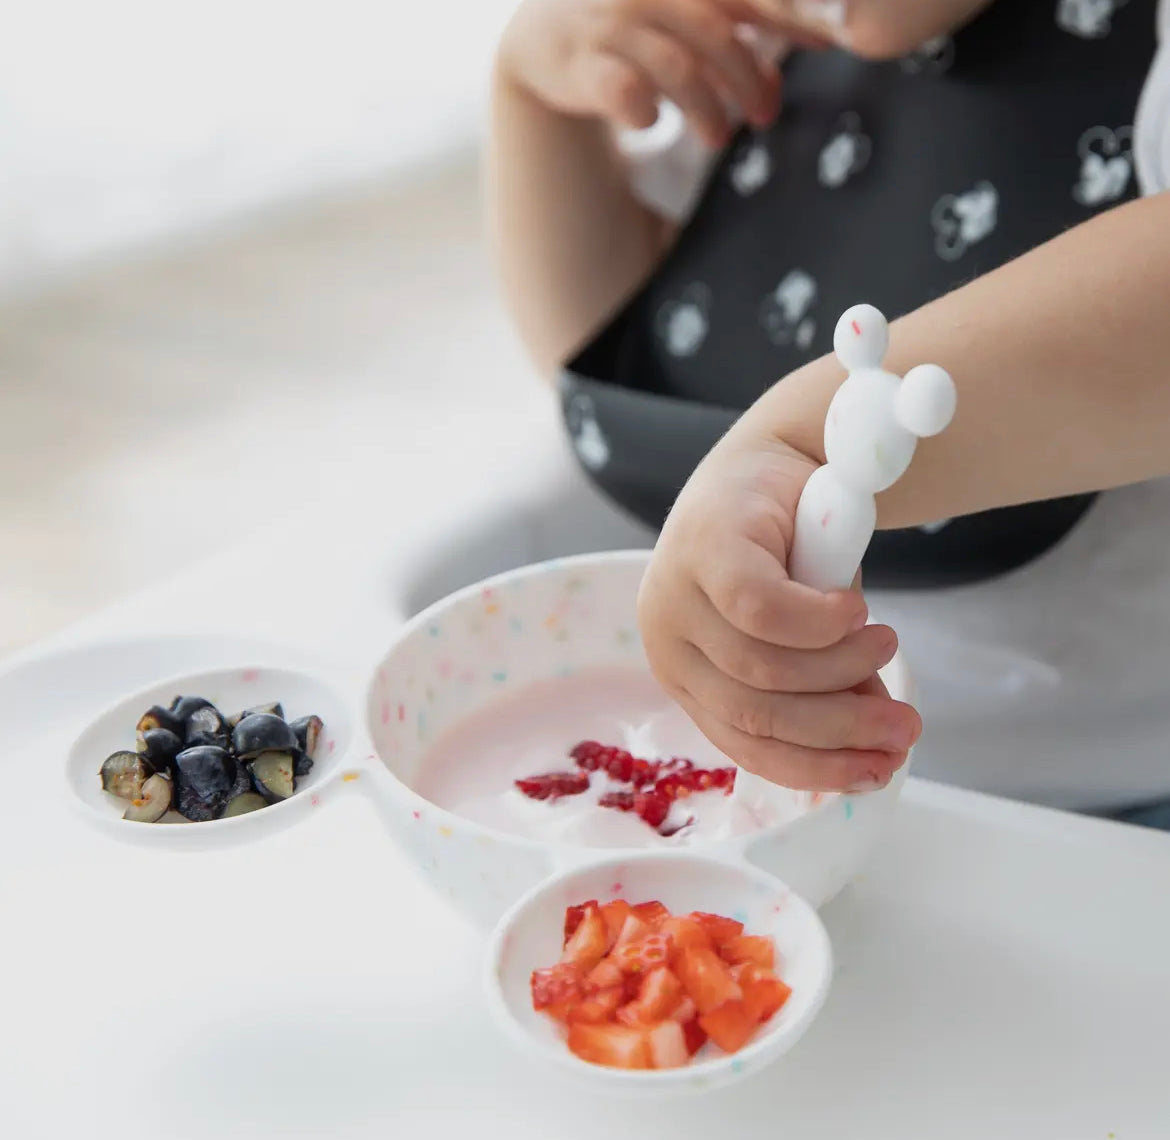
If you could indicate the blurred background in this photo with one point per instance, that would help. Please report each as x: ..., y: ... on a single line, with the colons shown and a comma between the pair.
x: 238, y: 243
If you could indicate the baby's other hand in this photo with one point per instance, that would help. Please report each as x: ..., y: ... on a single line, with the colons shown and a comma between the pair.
x: 614, y: 59
x: 778, y: 676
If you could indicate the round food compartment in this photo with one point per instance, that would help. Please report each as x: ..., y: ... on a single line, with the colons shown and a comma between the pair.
x: 530, y: 938
x: 269, y: 779
x: 515, y: 633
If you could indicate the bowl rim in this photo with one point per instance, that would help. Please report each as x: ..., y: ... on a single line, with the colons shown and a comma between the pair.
x: 567, y: 852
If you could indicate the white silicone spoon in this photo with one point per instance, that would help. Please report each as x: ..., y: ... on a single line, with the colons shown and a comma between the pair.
x: 873, y: 425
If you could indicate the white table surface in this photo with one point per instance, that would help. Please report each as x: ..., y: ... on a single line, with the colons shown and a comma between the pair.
x: 1004, y: 971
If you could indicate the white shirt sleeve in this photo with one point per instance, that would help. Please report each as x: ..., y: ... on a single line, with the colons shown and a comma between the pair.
x: 1151, y: 128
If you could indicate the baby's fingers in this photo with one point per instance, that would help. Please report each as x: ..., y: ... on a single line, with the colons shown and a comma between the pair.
x: 794, y: 766
x: 678, y: 74
x: 830, y: 721
x: 711, y: 36
x: 773, y: 668
x: 750, y: 590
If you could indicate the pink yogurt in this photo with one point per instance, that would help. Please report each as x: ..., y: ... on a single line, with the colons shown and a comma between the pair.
x: 471, y: 768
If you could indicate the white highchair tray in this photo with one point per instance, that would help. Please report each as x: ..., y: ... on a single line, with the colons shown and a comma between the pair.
x: 1001, y: 971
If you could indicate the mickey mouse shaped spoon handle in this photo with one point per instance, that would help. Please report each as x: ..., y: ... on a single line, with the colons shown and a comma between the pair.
x: 874, y: 423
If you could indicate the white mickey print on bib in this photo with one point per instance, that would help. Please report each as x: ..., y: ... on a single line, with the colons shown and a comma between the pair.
x: 1089, y: 19
x: 588, y: 439
x: 751, y: 167
x: 933, y: 57
x: 1106, y: 165
x: 784, y: 312
x: 682, y: 324
x: 845, y: 154
x: 961, y: 220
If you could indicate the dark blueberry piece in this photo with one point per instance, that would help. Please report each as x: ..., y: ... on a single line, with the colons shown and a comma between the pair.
x: 242, y: 804
x: 160, y: 746
x: 272, y: 773
x: 308, y: 733
x: 275, y: 708
x: 158, y: 717
x: 153, y: 803
x: 206, y: 726
x: 205, y: 776
x: 124, y: 773
x: 183, y: 707
x: 262, y: 732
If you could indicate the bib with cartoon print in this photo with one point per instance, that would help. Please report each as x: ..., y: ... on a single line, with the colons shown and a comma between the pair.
x: 894, y: 182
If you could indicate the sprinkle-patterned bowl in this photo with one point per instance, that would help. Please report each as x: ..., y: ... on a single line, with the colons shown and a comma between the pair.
x: 530, y: 625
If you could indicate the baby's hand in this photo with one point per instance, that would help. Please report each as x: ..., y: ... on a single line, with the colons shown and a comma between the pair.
x: 613, y: 60
x: 778, y: 676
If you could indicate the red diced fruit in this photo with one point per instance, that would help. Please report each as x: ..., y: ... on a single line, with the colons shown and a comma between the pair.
x: 763, y: 993
x: 555, y: 986
x: 615, y: 914
x: 658, y: 995
x: 634, y: 929
x: 706, y: 979
x: 694, y: 1035
x: 605, y: 974
x: 573, y: 916
x: 601, y: 1007
x: 589, y: 942
x: 651, y: 912
x: 639, y: 988
x: 749, y: 948
x: 653, y: 807
x: 644, y: 955
x: 721, y: 929
x: 667, y: 1045
x: 619, y: 801
x: 730, y: 1026
x: 553, y: 785
x: 617, y: 1046
x: 685, y: 933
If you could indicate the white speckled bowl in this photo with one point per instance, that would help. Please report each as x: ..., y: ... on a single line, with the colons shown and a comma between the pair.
x: 529, y: 625
x: 551, y: 620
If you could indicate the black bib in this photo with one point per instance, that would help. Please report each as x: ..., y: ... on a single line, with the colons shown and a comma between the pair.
x: 891, y: 183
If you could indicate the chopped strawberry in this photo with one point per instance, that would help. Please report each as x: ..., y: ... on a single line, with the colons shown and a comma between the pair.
x: 652, y: 806
x: 652, y: 912
x: 573, y: 916
x: 634, y: 929
x: 619, y: 801
x: 685, y: 1011
x: 644, y: 955
x: 617, y: 1046
x: 749, y: 948
x: 615, y: 914
x: 706, y: 979
x: 730, y: 1026
x: 601, y: 1007
x: 763, y: 992
x: 659, y: 993
x: 694, y: 1035
x: 667, y: 1045
x: 686, y: 932
x: 721, y: 929
x: 605, y: 974
x: 555, y: 985
x: 589, y: 941
x: 553, y: 785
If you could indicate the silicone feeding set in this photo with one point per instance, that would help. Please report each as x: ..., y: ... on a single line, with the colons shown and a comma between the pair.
x: 651, y: 908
